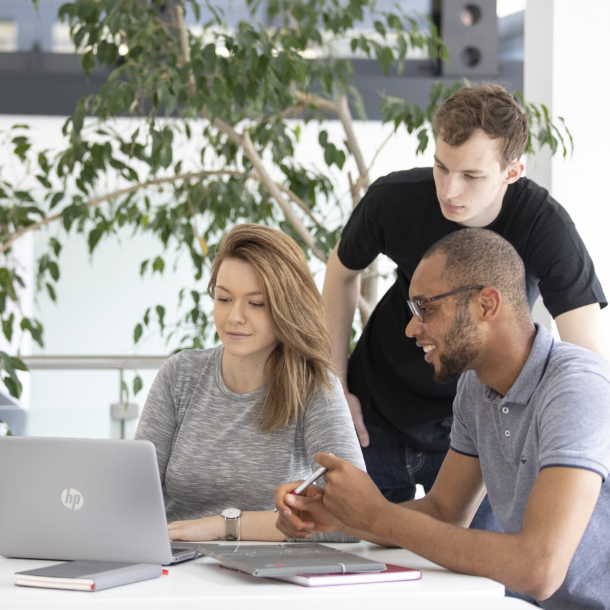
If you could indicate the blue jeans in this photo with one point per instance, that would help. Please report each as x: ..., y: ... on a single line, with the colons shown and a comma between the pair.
x: 397, y: 469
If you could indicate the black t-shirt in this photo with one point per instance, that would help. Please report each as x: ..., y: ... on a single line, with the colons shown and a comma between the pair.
x: 400, y: 217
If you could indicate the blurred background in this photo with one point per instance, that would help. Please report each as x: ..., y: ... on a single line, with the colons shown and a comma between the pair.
x: 553, y: 51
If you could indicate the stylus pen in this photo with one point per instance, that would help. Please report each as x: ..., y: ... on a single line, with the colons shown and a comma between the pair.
x: 305, y: 484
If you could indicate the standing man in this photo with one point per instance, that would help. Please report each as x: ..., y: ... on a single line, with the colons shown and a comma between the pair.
x: 402, y: 416
x: 531, y: 428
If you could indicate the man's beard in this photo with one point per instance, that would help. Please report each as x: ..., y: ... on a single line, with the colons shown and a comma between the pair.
x: 462, y: 345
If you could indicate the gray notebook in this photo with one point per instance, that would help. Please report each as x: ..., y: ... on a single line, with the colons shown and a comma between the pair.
x: 296, y: 558
x: 88, y: 575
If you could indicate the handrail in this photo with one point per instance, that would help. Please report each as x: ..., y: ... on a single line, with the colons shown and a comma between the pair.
x: 119, y: 411
x: 93, y: 362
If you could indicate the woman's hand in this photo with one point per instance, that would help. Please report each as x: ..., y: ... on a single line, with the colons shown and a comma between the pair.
x: 207, y: 528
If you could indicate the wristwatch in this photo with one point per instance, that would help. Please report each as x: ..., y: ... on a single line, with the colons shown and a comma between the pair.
x: 232, y: 523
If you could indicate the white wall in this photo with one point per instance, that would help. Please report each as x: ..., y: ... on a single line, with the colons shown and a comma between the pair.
x: 566, y: 68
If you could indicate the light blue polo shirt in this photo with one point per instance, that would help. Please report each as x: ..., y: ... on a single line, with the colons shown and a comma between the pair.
x: 557, y: 413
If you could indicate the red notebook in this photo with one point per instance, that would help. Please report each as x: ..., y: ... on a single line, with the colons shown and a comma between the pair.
x: 392, y: 573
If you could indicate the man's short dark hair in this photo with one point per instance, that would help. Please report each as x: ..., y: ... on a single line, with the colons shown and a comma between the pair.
x: 487, y: 107
x: 482, y: 257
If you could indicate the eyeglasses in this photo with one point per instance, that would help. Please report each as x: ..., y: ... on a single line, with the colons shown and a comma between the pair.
x: 415, y: 306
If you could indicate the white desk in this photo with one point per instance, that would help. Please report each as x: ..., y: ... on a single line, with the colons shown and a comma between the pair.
x: 203, y: 581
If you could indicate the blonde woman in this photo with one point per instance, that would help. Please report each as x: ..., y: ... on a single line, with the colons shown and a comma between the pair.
x: 232, y: 422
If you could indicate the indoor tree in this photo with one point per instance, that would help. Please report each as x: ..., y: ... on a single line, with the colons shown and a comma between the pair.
x: 231, y: 94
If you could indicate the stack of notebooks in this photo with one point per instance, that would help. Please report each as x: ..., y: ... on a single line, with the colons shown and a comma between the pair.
x: 308, y: 565
x: 392, y: 573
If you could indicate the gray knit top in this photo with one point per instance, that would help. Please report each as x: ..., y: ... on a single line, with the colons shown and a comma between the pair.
x: 212, y: 454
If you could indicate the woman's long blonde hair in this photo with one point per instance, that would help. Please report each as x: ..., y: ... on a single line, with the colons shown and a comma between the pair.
x: 299, y: 365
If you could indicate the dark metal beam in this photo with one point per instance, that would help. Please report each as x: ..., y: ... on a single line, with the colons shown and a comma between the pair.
x: 50, y: 84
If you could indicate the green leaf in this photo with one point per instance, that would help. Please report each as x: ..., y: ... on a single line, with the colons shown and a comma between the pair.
x: 107, y: 52
x: 137, y: 384
x: 56, y: 199
x: 161, y: 313
x: 51, y: 292
x: 55, y: 245
x: 209, y: 55
x: 35, y: 329
x: 14, y: 388
x: 21, y: 150
x: 380, y: 28
x: 402, y: 47
x: 88, y: 61
x: 53, y: 270
x: 94, y: 237
x: 124, y: 390
x: 422, y: 136
x: 43, y: 162
x: 137, y: 333
x: 158, y: 265
x: 165, y: 156
x: 19, y: 364
x: 240, y: 94
x: 44, y: 181
x: 7, y: 327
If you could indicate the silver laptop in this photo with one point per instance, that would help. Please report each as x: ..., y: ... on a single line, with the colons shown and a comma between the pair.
x: 65, y: 499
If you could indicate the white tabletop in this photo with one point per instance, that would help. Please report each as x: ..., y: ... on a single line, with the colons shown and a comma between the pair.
x: 202, y: 580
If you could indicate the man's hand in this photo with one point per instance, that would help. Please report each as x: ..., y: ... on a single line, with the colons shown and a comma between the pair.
x: 355, y: 408
x: 300, y: 515
x: 350, y: 494
x: 207, y: 528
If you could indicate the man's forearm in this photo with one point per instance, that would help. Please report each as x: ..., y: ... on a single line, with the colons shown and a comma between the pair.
x: 505, y: 558
x: 425, y: 505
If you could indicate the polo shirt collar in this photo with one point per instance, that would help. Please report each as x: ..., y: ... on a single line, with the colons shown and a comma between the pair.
x: 532, y: 372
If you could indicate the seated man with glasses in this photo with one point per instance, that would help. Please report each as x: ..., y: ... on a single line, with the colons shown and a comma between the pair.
x: 531, y: 427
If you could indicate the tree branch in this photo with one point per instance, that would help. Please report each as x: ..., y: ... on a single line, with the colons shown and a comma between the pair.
x: 97, y: 200
x: 186, y: 54
x: 365, y: 309
x: 360, y: 182
x: 282, y: 115
x: 246, y: 144
x: 299, y: 202
x: 276, y: 193
x: 12, y: 237
x: 345, y: 116
x: 318, y: 102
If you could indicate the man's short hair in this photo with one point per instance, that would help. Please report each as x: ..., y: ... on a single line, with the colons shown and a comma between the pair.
x: 484, y: 258
x: 487, y: 107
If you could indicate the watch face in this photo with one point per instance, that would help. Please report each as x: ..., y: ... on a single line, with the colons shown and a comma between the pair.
x: 231, y: 513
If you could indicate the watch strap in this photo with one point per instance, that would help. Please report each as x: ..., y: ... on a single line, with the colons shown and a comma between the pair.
x: 231, y: 528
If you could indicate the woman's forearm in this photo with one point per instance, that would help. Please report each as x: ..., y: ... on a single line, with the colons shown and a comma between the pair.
x: 254, y: 525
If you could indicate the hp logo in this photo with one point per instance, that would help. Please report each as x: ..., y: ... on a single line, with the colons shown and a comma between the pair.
x: 72, y: 499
